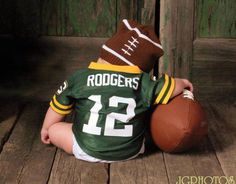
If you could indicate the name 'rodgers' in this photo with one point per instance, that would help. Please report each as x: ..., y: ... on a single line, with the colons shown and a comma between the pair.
x: 118, y: 80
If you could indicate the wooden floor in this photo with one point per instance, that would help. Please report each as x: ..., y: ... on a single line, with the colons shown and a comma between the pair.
x: 24, y: 159
x: 33, y: 70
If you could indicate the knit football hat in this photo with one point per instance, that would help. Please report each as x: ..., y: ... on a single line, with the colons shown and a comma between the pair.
x: 133, y: 44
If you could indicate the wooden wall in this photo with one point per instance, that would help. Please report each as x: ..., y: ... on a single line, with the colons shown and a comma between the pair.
x: 216, y: 19
x: 214, y: 48
x: 199, y: 39
x: 32, y: 18
x: 43, y: 41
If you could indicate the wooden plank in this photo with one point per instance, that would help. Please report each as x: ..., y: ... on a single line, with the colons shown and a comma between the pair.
x: 142, y: 11
x: 127, y: 9
x: 78, y: 18
x: 38, y: 165
x: 215, y: 50
x: 67, y: 169
x: 222, y: 133
x: 199, y: 161
x: 204, y: 160
x: 216, y: 18
x: 167, y: 35
x: 24, y: 159
x: 214, y: 93
x: 213, y: 76
x: 148, y: 11
x: 176, y: 19
x: 178, y: 165
x: 8, y: 117
x: 26, y: 18
x: 149, y: 168
x: 213, y: 68
x: 30, y: 66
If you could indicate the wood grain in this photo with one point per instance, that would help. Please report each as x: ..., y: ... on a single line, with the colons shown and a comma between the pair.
x: 78, y: 18
x: 215, y: 50
x: 216, y: 19
x: 204, y: 160
x: 127, y: 9
x: 215, y: 93
x: 26, y: 18
x: 8, y: 117
x: 148, y: 11
x: 23, y: 157
x: 38, y: 68
x: 200, y: 161
x: 67, y: 169
x: 222, y: 133
x: 178, y: 165
x: 213, y: 67
x: 143, y: 170
x: 176, y: 19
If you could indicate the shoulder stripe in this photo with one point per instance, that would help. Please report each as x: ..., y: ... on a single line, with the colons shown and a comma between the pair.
x: 170, y: 91
x: 163, y: 90
x: 58, y: 104
x: 62, y: 112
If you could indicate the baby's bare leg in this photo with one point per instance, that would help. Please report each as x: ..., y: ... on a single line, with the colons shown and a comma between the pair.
x: 60, y: 134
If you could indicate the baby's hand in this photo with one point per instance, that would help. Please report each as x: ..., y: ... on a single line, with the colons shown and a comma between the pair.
x: 180, y: 85
x: 44, y: 136
x: 185, y: 84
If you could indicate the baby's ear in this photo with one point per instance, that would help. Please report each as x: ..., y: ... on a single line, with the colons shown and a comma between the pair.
x: 100, y: 60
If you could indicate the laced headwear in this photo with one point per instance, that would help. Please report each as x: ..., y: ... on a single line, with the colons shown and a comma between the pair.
x: 133, y: 44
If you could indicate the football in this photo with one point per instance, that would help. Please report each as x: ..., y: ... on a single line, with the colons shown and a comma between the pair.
x: 178, y: 125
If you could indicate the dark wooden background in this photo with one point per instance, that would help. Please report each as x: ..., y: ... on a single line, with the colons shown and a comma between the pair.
x: 90, y: 18
x: 199, y: 39
x: 43, y: 41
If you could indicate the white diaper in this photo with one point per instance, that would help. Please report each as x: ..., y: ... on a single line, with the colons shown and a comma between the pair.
x: 81, y: 155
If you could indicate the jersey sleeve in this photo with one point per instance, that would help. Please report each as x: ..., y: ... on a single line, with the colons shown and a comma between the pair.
x: 62, y: 101
x: 165, y: 87
x: 159, y: 91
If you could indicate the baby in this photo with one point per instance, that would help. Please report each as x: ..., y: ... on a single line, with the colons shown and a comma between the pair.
x: 110, y: 99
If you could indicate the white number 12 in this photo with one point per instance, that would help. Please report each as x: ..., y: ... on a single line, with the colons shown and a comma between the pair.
x: 109, y: 129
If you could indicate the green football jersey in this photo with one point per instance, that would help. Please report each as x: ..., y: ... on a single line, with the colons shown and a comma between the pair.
x: 110, y: 102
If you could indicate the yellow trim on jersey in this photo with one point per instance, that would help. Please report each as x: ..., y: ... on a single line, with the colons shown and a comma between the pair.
x: 170, y: 91
x: 116, y: 68
x: 65, y: 107
x: 159, y: 97
x: 58, y: 110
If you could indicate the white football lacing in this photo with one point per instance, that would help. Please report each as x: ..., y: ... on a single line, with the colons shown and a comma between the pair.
x: 188, y: 94
x: 132, y: 44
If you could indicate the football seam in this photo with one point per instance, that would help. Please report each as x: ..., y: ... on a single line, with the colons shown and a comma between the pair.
x: 188, y: 118
x: 185, y: 132
x: 182, y: 139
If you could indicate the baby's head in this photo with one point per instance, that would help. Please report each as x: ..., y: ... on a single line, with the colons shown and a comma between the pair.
x: 133, y: 44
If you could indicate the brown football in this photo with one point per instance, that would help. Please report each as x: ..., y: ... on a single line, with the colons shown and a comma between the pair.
x: 178, y: 125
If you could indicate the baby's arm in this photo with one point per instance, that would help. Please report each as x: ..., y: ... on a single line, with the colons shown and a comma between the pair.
x: 51, y: 118
x: 180, y: 85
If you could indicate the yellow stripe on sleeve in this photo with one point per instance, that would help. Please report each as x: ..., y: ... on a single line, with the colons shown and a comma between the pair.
x: 159, y: 97
x: 65, y: 107
x: 169, y: 92
x: 58, y: 110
